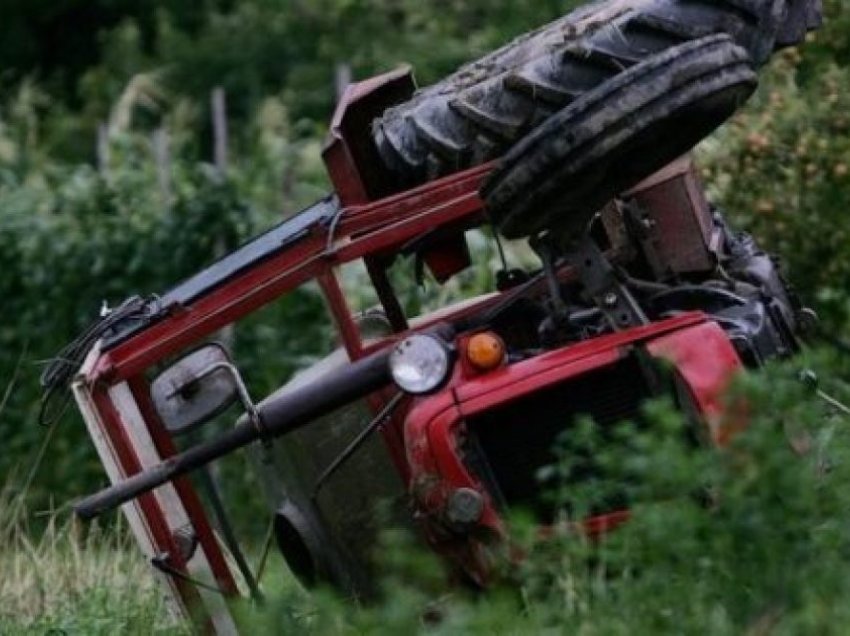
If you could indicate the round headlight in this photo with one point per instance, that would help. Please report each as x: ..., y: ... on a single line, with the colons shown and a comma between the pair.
x: 419, y: 364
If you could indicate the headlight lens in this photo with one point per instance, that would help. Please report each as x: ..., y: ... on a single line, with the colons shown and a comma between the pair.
x: 419, y: 364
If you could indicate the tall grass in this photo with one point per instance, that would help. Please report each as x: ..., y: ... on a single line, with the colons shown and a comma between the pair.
x: 58, y: 577
x: 74, y: 580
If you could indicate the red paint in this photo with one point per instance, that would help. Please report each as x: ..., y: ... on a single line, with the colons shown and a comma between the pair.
x: 708, y: 363
x: 697, y: 348
x: 348, y: 329
x: 151, y: 511
x: 599, y: 526
x: 350, y: 156
x: 365, y: 228
x: 543, y: 370
x: 185, y: 491
x: 362, y: 231
x: 447, y: 257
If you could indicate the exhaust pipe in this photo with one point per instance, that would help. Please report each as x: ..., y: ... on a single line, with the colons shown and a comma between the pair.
x: 274, y: 418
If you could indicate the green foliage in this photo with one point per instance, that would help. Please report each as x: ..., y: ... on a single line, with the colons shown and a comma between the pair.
x: 751, y: 538
x: 782, y: 168
x: 255, y: 47
x: 72, y: 237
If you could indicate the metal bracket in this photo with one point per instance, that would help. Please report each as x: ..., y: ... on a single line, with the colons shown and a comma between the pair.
x: 643, y: 228
x: 244, y: 398
x: 602, y: 286
x: 548, y: 255
x: 162, y: 562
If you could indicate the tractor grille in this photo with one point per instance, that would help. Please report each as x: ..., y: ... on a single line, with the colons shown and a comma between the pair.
x: 507, y: 446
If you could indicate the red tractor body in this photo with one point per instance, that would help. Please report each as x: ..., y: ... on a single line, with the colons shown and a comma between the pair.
x: 488, y: 434
x: 463, y: 453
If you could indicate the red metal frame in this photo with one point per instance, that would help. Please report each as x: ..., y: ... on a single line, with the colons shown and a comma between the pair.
x: 162, y: 536
x: 166, y: 448
x: 422, y: 440
x: 363, y: 228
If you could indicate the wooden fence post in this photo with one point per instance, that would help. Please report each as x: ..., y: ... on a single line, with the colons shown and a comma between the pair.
x: 219, y: 121
x: 162, y: 155
x: 102, y: 149
x: 218, y: 103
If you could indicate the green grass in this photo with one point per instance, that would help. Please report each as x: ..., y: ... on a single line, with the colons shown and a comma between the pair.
x: 75, y: 580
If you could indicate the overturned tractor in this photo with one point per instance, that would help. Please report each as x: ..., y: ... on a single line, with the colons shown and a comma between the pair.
x: 572, y: 140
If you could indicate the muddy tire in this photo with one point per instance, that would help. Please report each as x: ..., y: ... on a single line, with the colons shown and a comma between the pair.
x: 479, y: 112
x: 616, y: 135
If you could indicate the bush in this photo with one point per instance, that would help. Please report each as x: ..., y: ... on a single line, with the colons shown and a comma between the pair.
x: 73, y: 238
x: 781, y: 169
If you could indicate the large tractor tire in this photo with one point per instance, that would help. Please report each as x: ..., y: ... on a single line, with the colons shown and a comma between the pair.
x: 616, y: 135
x: 479, y: 112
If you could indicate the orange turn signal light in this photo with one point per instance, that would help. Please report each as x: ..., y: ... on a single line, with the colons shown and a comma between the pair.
x: 485, y: 351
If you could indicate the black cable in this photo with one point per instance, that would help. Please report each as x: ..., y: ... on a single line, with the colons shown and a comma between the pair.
x: 162, y: 563
x: 57, y: 376
x: 501, y: 249
x: 337, y: 217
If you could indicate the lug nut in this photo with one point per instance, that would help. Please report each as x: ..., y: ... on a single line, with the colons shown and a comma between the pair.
x: 465, y: 507
x: 808, y: 321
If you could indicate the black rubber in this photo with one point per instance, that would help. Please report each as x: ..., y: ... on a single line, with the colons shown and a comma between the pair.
x: 614, y: 136
x: 479, y: 112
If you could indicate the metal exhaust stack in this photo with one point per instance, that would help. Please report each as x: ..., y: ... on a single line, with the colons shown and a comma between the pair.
x: 274, y: 418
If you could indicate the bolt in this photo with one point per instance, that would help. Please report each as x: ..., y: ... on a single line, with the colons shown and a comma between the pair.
x: 611, y: 300
x: 465, y: 506
x: 808, y: 321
